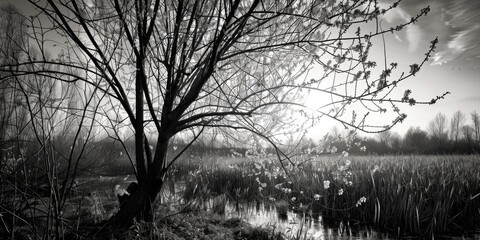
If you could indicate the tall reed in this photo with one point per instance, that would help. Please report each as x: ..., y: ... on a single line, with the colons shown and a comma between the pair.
x: 419, y: 195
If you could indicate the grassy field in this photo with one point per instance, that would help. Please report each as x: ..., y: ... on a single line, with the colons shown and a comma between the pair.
x: 404, y: 195
x: 412, y: 195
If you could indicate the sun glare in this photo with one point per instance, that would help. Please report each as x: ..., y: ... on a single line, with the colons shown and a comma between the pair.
x: 315, y: 101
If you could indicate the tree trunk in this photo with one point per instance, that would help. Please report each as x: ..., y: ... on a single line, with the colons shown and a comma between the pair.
x: 140, y: 204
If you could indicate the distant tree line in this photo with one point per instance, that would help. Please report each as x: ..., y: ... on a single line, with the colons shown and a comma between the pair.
x: 459, y: 135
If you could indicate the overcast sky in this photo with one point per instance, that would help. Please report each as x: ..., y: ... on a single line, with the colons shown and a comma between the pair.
x: 455, y: 67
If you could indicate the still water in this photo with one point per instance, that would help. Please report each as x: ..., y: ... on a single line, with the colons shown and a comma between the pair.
x: 297, y: 225
x: 293, y: 225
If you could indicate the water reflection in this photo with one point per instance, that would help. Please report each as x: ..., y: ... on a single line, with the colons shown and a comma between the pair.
x: 297, y: 225
x: 294, y: 225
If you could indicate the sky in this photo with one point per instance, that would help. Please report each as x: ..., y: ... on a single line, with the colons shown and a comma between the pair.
x: 455, y: 66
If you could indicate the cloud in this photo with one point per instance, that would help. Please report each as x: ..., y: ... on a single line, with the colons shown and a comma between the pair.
x: 414, y: 35
x: 462, y: 44
x: 395, y: 14
x: 456, y: 23
x: 398, y: 37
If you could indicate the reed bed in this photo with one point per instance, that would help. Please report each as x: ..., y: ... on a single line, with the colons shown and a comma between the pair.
x: 412, y: 195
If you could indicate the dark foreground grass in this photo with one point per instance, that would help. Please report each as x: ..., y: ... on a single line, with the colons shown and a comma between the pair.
x: 189, y: 225
x: 87, y: 214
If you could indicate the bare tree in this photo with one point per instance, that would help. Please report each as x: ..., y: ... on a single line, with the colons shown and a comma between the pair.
x: 385, y: 138
x: 467, y: 132
x: 390, y: 140
x: 46, y: 150
x: 34, y: 110
x: 476, y: 129
x: 438, y: 131
x: 13, y: 38
x: 174, y: 66
x: 396, y: 141
x: 456, y: 124
x: 415, y: 140
x: 12, y: 41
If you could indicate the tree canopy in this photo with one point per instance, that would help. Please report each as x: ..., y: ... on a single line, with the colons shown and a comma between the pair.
x: 162, y: 68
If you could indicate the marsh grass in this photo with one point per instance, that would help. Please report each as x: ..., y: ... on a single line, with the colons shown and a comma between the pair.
x: 419, y: 195
x: 410, y: 195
